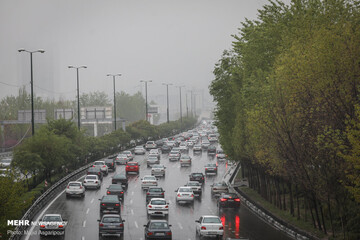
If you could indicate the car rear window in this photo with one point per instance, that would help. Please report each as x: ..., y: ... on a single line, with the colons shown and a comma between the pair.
x: 74, y: 184
x: 91, y: 177
x: 52, y: 219
x: 185, y: 190
x: 158, y: 225
x: 155, y: 190
x: 132, y: 164
x: 158, y: 202
x: 111, y: 220
x: 212, y: 220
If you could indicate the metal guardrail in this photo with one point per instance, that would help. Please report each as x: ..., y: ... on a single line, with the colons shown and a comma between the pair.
x: 5, y: 154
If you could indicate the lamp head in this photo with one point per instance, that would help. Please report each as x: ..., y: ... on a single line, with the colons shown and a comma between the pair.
x: 41, y: 50
x: 21, y: 50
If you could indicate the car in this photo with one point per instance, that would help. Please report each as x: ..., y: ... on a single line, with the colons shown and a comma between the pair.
x: 5, y: 163
x: 121, y: 179
x: 171, y: 144
x: 196, y: 187
x: 116, y: 189
x: 174, y: 155
x: 159, y: 142
x: 157, y: 229
x: 148, y: 181
x: 158, y: 207
x: 154, y: 192
x: 92, y: 181
x: 103, y: 167
x: 184, y: 194
x: 220, y: 155
x: 128, y: 154
x: 190, y: 143
x: 110, y: 204
x: 111, y: 224
x: 110, y: 162
x: 151, y: 160
x: 205, y: 144
x: 211, y: 150
x: 199, y: 177
x: 75, y: 189
x: 184, y: 147
x: 95, y: 171
x: 158, y: 170
x: 139, y: 150
x: 185, y: 160
x: 122, y: 159
x: 197, y: 148
x: 155, y: 152
x: 229, y: 200
x: 165, y: 148
x: 212, y: 138
x: 132, y: 167
x: 150, y: 145
x: 52, y: 224
x: 211, y: 168
x: 219, y: 187
x: 209, y: 226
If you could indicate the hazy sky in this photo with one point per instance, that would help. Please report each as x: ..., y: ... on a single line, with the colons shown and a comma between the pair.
x: 161, y: 40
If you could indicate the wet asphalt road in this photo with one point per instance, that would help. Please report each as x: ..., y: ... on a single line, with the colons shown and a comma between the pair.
x: 82, y: 214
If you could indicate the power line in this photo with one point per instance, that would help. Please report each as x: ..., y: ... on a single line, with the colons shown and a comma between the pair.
x: 11, y: 85
x: 53, y: 91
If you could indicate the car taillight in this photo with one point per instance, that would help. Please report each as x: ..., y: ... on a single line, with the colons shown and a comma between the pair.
x: 147, y: 193
x: 104, y: 166
x: 84, y: 181
x: 96, y: 181
x: 221, y: 228
x: 117, y: 205
x: 202, y: 178
x: 205, y: 169
x: 223, y: 199
x: 237, y: 199
x: 192, y: 195
x: 166, y: 206
x: 81, y: 187
x: 112, y: 164
x: 42, y: 226
x: 169, y: 233
x: 68, y: 187
x: 149, y: 233
x: 203, y: 228
x: 108, y: 192
x: 61, y: 226
x: 216, y: 155
x: 101, y: 225
x: 162, y: 193
x: 103, y: 204
x: 150, y: 206
x: 179, y: 195
x: 121, y: 225
x: 121, y: 192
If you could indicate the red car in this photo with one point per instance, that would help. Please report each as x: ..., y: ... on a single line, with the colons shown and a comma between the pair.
x: 132, y: 167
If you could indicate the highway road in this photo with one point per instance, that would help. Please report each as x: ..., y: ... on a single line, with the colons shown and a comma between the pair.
x: 82, y: 214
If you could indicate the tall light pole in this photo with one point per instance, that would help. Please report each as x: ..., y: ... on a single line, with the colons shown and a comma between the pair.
x: 78, y: 94
x: 32, y: 86
x: 187, y: 108
x: 167, y: 99
x: 180, y: 101
x: 114, y: 75
x: 146, y: 105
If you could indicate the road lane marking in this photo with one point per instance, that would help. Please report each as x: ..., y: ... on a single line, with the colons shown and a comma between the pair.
x: 132, y: 212
x: 82, y: 238
x: 136, y: 225
x: 87, y: 211
x: 170, y: 202
x: 132, y: 193
x: 180, y: 226
x: 131, y: 201
x: 84, y: 223
x: 92, y: 200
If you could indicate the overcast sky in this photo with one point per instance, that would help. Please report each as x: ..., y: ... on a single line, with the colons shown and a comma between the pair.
x: 168, y: 41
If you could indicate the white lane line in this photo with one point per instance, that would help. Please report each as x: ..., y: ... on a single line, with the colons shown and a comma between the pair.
x: 92, y: 200
x: 132, y: 193
x: 87, y: 211
x: 131, y: 201
x: 82, y: 238
x: 180, y: 226
x: 136, y: 225
x: 84, y: 223
x: 42, y: 213
x: 132, y: 212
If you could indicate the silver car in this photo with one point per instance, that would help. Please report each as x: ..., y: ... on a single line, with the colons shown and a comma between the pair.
x: 174, y: 155
x: 151, y: 160
x: 196, y: 187
x: 52, y: 224
x: 185, y: 160
x: 129, y: 154
x: 75, y: 189
x: 158, y: 207
x: 139, y: 150
x: 220, y: 187
x: 184, y: 194
x: 92, y: 181
x: 148, y: 181
x: 111, y: 224
x: 122, y: 159
x: 158, y: 170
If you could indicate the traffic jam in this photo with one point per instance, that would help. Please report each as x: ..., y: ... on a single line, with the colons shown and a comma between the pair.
x: 171, y: 188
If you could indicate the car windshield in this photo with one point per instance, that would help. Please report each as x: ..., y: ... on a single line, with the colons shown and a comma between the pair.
x: 122, y: 156
x: 155, y: 190
x: 139, y: 147
x: 99, y: 163
x: 174, y: 152
x: 211, y: 220
x: 111, y: 220
x: 74, y: 184
x: 153, y: 158
x: 132, y: 164
x: 149, y: 178
x: 158, y: 225
x: 193, y: 184
x: 52, y: 219
x: 185, y: 157
x: 91, y: 177
x: 185, y: 190
x: 115, y: 187
x: 158, y: 166
x: 211, y: 165
x: 126, y: 152
x: 158, y: 202
x: 197, y: 174
x: 219, y: 184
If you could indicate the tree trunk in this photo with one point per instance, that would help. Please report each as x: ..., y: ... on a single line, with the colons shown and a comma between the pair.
x: 291, y: 198
x: 322, y: 217
x: 330, y: 215
x: 284, y: 195
x: 312, y: 214
x: 316, y: 211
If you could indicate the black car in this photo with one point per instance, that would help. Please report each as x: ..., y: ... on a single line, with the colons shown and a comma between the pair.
x: 95, y: 171
x: 210, y: 168
x: 116, y: 189
x: 228, y: 200
x: 155, y: 192
x: 159, y: 143
x: 110, y: 162
x: 165, y: 148
x: 158, y: 229
x: 110, y: 204
x: 120, y: 179
x: 197, y: 177
x: 111, y: 224
x: 211, y: 150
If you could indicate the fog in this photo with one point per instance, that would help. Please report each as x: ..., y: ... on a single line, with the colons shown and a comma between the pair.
x: 164, y: 41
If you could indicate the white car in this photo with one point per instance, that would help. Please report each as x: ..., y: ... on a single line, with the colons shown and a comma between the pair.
x: 122, y: 159
x: 184, y: 194
x: 151, y: 160
x: 92, y: 181
x: 158, y: 207
x: 129, y: 154
x: 174, y: 155
x: 185, y: 160
x: 103, y: 167
x: 219, y: 187
x: 139, y: 150
x: 158, y: 170
x: 75, y: 189
x: 209, y: 226
x: 196, y: 187
x: 183, y: 147
x: 52, y: 224
x: 155, y: 152
x: 150, y: 145
x: 197, y: 147
x: 148, y: 181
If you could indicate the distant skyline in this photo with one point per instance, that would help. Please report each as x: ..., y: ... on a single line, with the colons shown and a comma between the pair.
x: 168, y: 41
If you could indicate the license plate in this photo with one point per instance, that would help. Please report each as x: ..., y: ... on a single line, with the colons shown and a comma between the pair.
x: 112, y: 226
x: 110, y: 208
x: 212, y: 232
x: 160, y: 234
x: 131, y: 168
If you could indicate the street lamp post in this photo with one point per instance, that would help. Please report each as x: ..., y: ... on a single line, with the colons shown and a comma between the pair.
x: 114, y: 75
x: 180, y: 102
x: 167, y: 99
x: 32, y: 86
x: 78, y: 94
x: 146, y: 105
